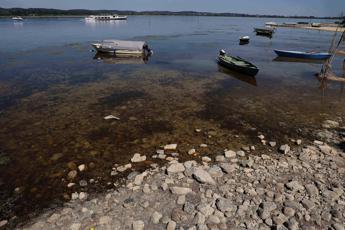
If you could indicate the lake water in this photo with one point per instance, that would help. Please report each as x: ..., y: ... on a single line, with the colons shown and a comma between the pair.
x: 54, y: 93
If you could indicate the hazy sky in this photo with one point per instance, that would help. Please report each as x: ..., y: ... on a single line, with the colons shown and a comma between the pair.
x: 283, y: 7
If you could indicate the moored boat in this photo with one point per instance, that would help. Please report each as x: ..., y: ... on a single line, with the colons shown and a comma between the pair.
x: 264, y: 31
x: 316, y: 24
x: 17, y: 18
x: 123, y: 48
x: 245, y: 39
x: 271, y: 24
x: 306, y: 55
x: 237, y: 64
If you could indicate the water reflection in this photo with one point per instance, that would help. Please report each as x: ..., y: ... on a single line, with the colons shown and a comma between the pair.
x: 112, y: 23
x: 264, y: 35
x: 239, y: 76
x: 243, y: 42
x: 18, y: 24
x: 112, y: 59
x: 300, y: 60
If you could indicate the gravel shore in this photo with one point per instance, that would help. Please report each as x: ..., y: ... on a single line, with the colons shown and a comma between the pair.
x: 292, y: 186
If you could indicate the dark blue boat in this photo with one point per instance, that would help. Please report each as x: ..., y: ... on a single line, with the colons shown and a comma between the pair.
x: 306, y: 55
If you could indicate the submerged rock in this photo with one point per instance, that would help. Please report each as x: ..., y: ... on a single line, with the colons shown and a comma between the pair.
x: 170, y: 147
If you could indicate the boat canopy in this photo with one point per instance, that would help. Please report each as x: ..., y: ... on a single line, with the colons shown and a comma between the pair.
x: 124, y: 45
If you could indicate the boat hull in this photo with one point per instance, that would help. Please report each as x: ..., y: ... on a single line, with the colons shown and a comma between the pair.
x: 117, y: 52
x: 240, y: 69
x: 303, y: 55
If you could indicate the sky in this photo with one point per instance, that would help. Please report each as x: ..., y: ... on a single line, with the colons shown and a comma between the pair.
x: 279, y: 7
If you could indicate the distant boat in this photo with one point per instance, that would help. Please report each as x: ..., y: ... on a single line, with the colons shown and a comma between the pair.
x: 105, y: 17
x: 17, y: 18
x: 264, y: 31
x: 237, y: 64
x: 315, y: 24
x: 244, y: 40
x: 290, y: 24
x: 123, y: 48
x: 271, y: 24
x: 306, y: 55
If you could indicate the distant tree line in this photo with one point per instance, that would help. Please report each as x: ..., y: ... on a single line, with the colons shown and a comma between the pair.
x: 79, y: 12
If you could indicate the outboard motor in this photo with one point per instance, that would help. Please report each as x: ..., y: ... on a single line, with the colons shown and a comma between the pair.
x: 147, y: 50
x: 222, y: 52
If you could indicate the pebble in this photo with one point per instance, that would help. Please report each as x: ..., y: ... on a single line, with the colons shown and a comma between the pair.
x: 72, y: 174
x: 75, y: 226
x: 213, y: 219
x: 170, y: 147
x: 203, y: 177
x: 181, y: 200
x: 272, y: 143
x: 138, y: 225
x: 289, y: 211
x: 284, y: 149
x: 139, y: 178
x: 241, y: 153
x: 82, y: 196
x: 191, y: 151
x: 176, y: 168
x: 81, y: 167
x: 156, y: 216
x: 180, y: 190
x: 105, y: 220
x: 338, y: 226
x: 230, y: 154
x: 69, y: 185
x: 3, y: 223
x: 138, y: 158
x: 206, y: 159
x: 261, y: 137
x: 220, y: 158
x: 171, y: 225
x: 74, y: 196
x: 110, y: 117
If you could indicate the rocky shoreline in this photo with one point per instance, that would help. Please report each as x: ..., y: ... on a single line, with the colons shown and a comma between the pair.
x: 291, y: 186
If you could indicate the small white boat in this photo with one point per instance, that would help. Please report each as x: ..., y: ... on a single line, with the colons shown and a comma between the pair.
x: 271, y: 24
x: 105, y: 17
x: 315, y: 24
x: 123, y: 48
x: 244, y: 39
x: 17, y: 18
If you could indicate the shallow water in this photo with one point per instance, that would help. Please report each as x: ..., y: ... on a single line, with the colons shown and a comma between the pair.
x: 54, y: 93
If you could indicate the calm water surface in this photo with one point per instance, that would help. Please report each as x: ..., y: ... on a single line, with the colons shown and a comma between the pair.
x: 54, y: 93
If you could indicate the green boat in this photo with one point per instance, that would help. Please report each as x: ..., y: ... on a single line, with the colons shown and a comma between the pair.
x: 237, y: 64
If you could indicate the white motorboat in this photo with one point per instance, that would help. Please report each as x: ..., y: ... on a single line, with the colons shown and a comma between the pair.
x: 271, y: 24
x: 244, y: 39
x: 123, y: 48
x: 316, y: 24
x: 17, y: 18
x: 105, y: 17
